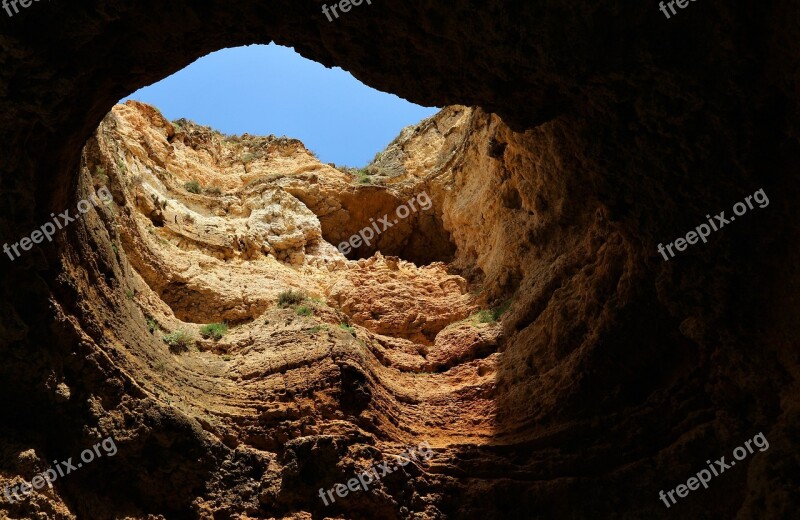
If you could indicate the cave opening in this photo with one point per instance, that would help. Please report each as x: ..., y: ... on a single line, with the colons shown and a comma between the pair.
x: 240, y: 99
x: 224, y: 281
x: 604, y: 149
x: 212, y: 191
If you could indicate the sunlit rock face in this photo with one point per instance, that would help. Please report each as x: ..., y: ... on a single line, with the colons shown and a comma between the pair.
x: 598, y: 374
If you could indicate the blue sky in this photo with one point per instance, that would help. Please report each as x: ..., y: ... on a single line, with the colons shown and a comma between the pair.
x: 268, y: 89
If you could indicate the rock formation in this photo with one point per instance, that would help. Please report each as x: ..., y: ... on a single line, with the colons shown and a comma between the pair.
x: 608, y: 375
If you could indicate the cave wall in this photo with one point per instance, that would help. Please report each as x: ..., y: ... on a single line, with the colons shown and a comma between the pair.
x: 622, y: 371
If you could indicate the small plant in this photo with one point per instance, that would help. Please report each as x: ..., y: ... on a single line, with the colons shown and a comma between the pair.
x: 226, y: 357
x: 303, y: 310
x: 152, y: 325
x: 129, y: 294
x: 214, y: 331
x: 160, y: 366
x: 364, y: 176
x: 347, y: 328
x: 493, y: 314
x: 290, y: 298
x: 484, y: 316
x: 317, y: 328
x: 101, y: 175
x: 193, y: 187
x: 121, y: 166
x: 178, y: 341
x: 248, y: 158
x: 115, y: 249
x: 501, y: 309
x: 214, y: 191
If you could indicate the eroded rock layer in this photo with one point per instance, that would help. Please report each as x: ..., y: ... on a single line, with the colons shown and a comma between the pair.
x: 611, y: 375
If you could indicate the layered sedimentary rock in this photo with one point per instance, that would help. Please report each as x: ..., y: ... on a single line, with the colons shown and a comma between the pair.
x: 613, y: 374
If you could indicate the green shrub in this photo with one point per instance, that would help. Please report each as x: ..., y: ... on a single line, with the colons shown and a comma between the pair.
x: 226, y: 357
x: 347, y: 328
x: 193, y: 187
x: 290, y: 297
x: 100, y: 173
x: 129, y: 294
x: 364, y: 176
x: 302, y: 310
x: 152, y: 325
x: 178, y: 341
x: 484, y: 316
x: 214, y: 331
x: 493, y: 314
x: 248, y: 158
x: 214, y: 191
x: 317, y: 328
x: 501, y: 309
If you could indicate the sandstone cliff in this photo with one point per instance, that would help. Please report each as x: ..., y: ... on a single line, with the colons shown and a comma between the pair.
x: 378, y: 354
